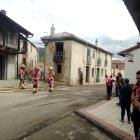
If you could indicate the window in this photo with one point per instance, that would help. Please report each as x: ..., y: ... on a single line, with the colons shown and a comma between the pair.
x: 1, y: 36
x: 102, y: 72
x: 59, y: 46
x: 58, y: 68
x: 88, y: 52
x: 105, y: 72
x: 105, y: 56
x: 92, y: 72
x: 9, y: 38
x: 98, y: 54
x: 24, y: 61
x: 114, y: 72
x: 79, y: 69
x: 31, y: 63
x: 93, y: 54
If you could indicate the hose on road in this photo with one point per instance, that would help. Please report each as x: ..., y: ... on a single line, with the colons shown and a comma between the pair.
x: 17, y: 89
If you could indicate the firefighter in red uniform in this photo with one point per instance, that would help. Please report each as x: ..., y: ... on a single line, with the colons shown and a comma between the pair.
x: 51, y: 75
x: 35, y: 78
x: 22, y: 75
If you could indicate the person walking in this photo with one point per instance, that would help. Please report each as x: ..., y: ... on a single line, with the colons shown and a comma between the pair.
x: 135, y: 115
x: 108, y: 86
x: 112, y: 81
x: 22, y: 75
x: 116, y: 86
x: 125, y: 100
x: 81, y: 77
x: 51, y: 76
x: 35, y: 79
x: 119, y: 85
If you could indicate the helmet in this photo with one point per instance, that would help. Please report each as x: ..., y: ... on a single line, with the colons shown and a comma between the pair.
x: 37, y: 68
x: 51, y: 68
x: 23, y: 66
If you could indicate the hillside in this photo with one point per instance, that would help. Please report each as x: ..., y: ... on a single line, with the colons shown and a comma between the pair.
x: 41, y: 53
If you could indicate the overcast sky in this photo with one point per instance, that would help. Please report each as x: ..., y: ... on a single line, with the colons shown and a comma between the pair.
x: 88, y: 19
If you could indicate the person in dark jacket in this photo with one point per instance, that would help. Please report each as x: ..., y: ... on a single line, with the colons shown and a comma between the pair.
x: 135, y: 115
x: 125, y: 100
x: 119, y: 85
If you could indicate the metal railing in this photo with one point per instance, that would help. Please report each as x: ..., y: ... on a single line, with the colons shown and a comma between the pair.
x: 58, y: 56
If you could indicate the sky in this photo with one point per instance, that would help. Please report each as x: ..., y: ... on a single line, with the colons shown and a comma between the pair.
x: 107, y: 20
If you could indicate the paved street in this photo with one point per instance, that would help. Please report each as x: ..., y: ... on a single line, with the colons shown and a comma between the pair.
x: 71, y: 127
x: 46, y: 115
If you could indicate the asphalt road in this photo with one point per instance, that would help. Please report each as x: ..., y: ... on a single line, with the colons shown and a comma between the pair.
x: 48, y: 115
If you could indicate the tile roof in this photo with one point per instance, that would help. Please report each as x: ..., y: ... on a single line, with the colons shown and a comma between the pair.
x: 124, y: 52
x: 117, y: 61
x: 8, y: 21
x: 68, y: 36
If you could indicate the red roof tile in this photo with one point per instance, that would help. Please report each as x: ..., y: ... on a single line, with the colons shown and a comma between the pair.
x: 123, y: 53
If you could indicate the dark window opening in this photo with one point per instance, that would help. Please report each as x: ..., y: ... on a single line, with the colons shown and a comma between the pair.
x: 58, y: 68
x: 24, y: 61
x: 92, y: 72
x: 59, y: 46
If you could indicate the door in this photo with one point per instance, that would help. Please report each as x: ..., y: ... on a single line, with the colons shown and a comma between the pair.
x: 2, y: 67
x: 87, y: 73
x: 98, y: 75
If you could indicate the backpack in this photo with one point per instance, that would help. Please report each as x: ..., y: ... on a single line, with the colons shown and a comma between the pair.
x: 109, y: 82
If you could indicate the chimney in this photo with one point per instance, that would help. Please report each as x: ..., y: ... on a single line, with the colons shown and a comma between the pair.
x: 3, y: 12
x: 96, y: 43
x: 52, y: 30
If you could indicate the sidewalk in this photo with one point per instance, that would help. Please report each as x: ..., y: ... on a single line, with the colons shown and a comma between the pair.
x: 105, y: 115
x: 9, y: 83
x: 15, y: 83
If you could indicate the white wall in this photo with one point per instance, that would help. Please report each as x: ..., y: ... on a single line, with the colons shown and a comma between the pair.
x: 32, y: 54
x: 78, y: 60
x: 11, y: 67
x: 66, y: 65
x: 75, y: 56
x: 132, y: 68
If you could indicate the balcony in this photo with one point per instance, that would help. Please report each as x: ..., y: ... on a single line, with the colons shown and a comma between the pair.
x: 58, y: 56
x: 106, y: 63
x: 99, y: 61
x: 88, y: 60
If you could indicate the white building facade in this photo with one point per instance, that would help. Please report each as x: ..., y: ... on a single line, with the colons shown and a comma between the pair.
x: 69, y: 55
x: 132, y: 64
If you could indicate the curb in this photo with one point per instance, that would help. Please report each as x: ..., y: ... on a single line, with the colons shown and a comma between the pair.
x: 85, y: 85
x: 101, y: 127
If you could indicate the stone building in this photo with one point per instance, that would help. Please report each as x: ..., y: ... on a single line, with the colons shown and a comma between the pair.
x: 69, y: 55
x: 11, y: 35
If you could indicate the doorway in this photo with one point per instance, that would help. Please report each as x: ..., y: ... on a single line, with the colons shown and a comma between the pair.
x: 98, y: 75
x: 87, y: 73
x: 2, y: 67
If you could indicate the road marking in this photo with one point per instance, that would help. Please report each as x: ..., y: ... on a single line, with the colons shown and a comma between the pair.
x: 58, y: 94
x: 82, y: 94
